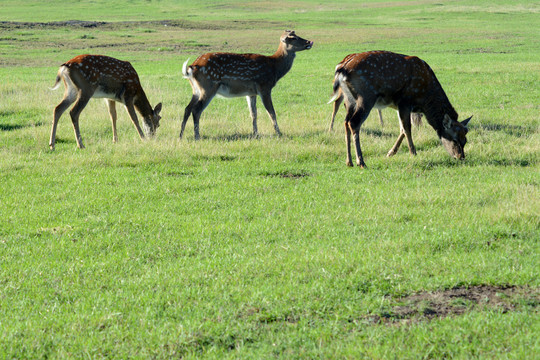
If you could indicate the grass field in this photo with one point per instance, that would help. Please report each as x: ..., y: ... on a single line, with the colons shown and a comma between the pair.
x: 236, y: 247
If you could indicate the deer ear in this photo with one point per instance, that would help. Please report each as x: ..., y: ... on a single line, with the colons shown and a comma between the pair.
x: 157, y: 109
x: 447, y: 121
x: 466, y: 121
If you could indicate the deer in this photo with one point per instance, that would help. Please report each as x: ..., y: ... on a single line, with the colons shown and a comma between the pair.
x: 98, y: 76
x: 379, y: 79
x: 233, y: 75
x: 416, y: 118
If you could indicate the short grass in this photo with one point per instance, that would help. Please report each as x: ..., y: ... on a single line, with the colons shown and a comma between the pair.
x: 235, y: 247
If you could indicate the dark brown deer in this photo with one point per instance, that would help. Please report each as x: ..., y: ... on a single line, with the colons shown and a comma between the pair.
x: 382, y: 78
x: 416, y: 118
x: 97, y: 76
x: 233, y: 75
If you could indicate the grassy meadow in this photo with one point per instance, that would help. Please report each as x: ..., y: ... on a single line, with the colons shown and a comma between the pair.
x: 269, y: 247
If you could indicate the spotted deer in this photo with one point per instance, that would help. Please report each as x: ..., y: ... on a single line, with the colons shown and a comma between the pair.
x: 233, y: 75
x: 377, y: 79
x: 98, y: 76
x: 416, y: 118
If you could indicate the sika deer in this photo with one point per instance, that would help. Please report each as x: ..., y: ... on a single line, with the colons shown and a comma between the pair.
x: 232, y: 75
x: 382, y: 78
x: 97, y: 76
x: 416, y: 118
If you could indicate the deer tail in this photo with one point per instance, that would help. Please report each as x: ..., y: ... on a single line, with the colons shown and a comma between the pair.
x: 187, y: 71
x: 59, y: 77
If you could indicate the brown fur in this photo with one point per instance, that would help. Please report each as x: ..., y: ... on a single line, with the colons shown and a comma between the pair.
x: 233, y: 75
x: 406, y: 83
x: 87, y: 76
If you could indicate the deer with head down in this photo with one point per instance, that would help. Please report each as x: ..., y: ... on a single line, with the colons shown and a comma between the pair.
x: 416, y: 118
x: 377, y: 79
x: 233, y: 75
x: 98, y: 76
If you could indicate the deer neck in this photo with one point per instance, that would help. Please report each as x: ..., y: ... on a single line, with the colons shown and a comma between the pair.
x: 283, y: 60
x: 437, y: 105
x: 142, y: 104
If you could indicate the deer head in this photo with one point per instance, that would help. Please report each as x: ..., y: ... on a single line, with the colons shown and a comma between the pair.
x: 453, y: 137
x: 295, y: 43
x: 151, y: 121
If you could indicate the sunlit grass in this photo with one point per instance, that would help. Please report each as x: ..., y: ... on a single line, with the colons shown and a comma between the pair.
x: 243, y: 247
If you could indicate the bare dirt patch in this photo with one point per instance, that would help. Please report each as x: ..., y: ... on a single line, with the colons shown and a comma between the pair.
x: 457, y: 301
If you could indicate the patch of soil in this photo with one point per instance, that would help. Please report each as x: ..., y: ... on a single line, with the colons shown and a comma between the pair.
x: 183, y: 24
x: 286, y: 174
x: 457, y: 301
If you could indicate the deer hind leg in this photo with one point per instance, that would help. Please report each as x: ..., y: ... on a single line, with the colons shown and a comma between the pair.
x: 267, y: 102
x: 335, y: 109
x: 198, y: 108
x: 252, y: 105
x: 69, y: 98
x: 187, y: 113
x: 111, y: 104
x: 363, y: 107
x: 75, y: 112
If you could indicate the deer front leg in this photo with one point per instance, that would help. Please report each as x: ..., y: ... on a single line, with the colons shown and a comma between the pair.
x: 80, y: 104
x: 396, y: 146
x: 111, y: 104
x: 267, y: 102
x: 380, y: 117
x: 133, y: 115
x: 405, y: 120
x: 252, y: 105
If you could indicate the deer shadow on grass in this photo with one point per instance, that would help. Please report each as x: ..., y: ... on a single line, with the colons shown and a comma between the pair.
x: 512, y: 130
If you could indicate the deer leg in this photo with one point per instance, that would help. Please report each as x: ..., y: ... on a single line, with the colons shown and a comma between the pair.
x: 80, y: 104
x: 267, y: 102
x: 198, y: 108
x: 405, y: 119
x: 380, y: 117
x: 69, y: 98
x: 359, y: 158
x: 335, y: 109
x: 252, y: 105
x: 396, y: 146
x: 187, y: 112
x: 348, y: 143
x: 133, y: 116
x: 111, y: 104
x: 363, y: 107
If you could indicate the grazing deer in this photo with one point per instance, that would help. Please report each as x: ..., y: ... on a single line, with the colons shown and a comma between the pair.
x: 97, y: 76
x: 416, y: 118
x: 382, y: 78
x: 232, y: 75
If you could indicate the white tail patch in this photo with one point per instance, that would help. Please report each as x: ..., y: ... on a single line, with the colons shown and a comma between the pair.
x: 187, y: 73
x: 336, y: 95
x: 345, y: 89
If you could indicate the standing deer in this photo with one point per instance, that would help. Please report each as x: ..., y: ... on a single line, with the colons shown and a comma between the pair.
x: 382, y: 78
x: 97, y: 76
x: 416, y: 118
x: 232, y: 75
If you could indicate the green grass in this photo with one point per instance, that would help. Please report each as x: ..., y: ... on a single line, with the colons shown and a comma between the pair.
x: 235, y: 247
